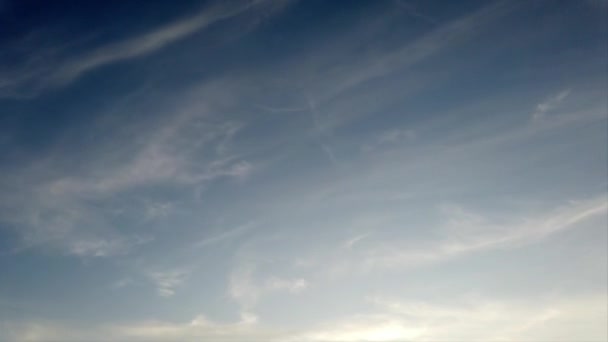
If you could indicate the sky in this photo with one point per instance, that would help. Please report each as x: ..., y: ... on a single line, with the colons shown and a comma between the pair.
x: 303, y: 171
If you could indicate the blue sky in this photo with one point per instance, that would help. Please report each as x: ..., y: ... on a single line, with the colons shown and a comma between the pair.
x: 303, y: 171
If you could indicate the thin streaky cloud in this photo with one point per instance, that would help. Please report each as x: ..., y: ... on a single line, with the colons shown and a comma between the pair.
x: 61, y: 73
x: 411, y: 9
x: 226, y: 236
x: 530, y: 230
x: 321, y: 132
x: 168, y: 281
x: 275, y: 109
x: 350, y: 243
x: 148, y: 43
x: 549, y: 104
x: 438, y: 40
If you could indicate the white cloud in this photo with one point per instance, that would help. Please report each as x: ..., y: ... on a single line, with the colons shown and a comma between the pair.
x: 156, y: 210
x: 246, y: 288
x: 549, y: 104
x: 350, y: 243
x: 290, y: 285
x: 242, y: 288
x: 167, y: 282
x: 240, y: 169
x: 96, y: 247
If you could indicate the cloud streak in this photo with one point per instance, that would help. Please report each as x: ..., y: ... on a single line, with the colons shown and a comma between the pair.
x: 474, y: 235
x: 226, y: 236
x: 72, y: 210
x: 38, y: 75
x: 549, y: 104
x: 167, y: 282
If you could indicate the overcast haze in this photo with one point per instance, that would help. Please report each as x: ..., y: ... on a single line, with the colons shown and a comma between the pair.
x: 303, y: 171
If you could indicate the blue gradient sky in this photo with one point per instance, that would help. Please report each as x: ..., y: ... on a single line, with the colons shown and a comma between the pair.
x: 303, y: 171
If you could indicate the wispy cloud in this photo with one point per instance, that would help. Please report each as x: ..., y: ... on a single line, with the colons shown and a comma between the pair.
x: 290, y: 285
x: 145, y: 44
x: 461, y: 233
x: 321, y: 132
x: 163, y: 159
x: 549, y: 104
x: 156, y: 210
x: 97, y: 247
x: 243, y: 289
x: 469, y: 233
x: 39, y: 74
x: 411, y: 9
x: 225, y: 236
x: 246, y: 286
x: 121, y: 283
x: 390, y: 138
x: 342, y: 78
x: 167, y: 282
x: 72, y: 210
x: 68, y: 227
x: 350, y: 243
